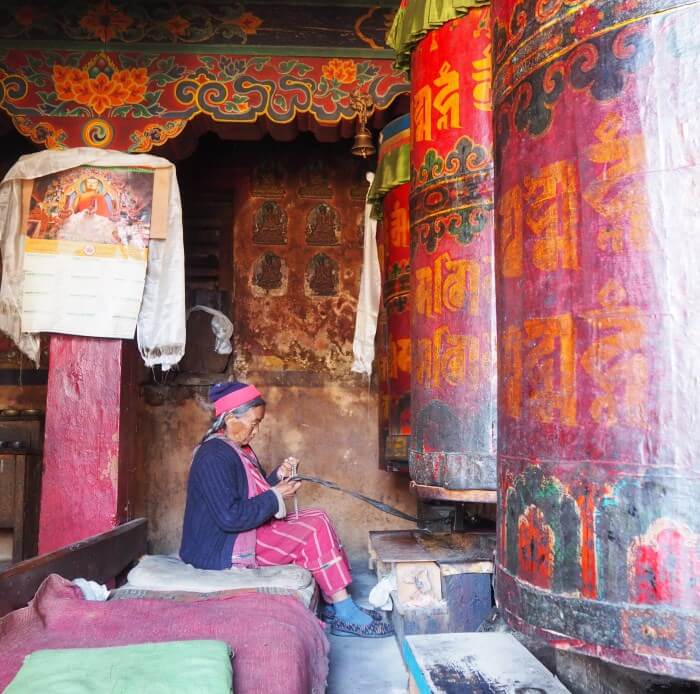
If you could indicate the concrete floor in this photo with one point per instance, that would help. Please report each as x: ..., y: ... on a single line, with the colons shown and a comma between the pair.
x: 367, y: 666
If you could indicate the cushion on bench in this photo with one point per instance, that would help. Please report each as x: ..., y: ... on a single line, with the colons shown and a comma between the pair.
x: 169, y: 574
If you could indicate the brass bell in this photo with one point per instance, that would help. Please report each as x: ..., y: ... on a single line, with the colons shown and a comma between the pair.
x: 363, y: 146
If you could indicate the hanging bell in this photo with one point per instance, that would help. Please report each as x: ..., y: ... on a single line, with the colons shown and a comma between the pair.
x: 363, y: 146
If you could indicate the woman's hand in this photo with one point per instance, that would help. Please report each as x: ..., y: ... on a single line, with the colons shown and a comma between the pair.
x: 287, y: 489
x: 286, y: 470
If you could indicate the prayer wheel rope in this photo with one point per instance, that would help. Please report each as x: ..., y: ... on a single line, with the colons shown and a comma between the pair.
x: 379, y: 505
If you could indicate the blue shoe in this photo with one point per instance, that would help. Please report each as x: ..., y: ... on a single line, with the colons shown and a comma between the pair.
x: 375, y: 630
x: 328, y: 613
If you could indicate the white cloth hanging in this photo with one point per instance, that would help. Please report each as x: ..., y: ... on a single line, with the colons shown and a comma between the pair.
x: 370, y: 295
x: 161, y: 318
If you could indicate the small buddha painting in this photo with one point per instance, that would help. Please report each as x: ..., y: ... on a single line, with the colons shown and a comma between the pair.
x: 322, y: 276
x: 360, y: 229
x: 314, y: 180
x: 360, y: 184
x: 268, y: 180
x: 270, y: 224
x: 323, y: 226
x: 269, y: 275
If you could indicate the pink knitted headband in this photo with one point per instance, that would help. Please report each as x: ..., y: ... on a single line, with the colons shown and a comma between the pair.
x: 235, y: 399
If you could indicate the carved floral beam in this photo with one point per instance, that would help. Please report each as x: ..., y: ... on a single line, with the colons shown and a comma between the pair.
x: 134, y: 101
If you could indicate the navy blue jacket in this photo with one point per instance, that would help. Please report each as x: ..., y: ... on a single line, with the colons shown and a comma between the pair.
x: 218, y: 507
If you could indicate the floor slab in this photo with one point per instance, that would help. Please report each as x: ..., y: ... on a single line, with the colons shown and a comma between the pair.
x: 371, y: 666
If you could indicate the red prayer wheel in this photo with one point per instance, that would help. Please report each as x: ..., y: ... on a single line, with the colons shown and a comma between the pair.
x: 453, y: 389
x: 382, y: 358
x: 597, y: 184
x: 391, y: 193
x: 396, y: 301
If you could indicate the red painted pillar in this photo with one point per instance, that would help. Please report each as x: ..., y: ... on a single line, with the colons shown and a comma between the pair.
x: 89, y: 439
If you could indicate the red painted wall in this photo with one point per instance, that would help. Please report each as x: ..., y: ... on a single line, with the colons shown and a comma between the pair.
x: 85, y: 488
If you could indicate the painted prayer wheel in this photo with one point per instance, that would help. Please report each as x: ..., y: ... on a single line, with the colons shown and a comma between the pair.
x: 389, y: 193
x: 382, y: 359
x: 597, y: 186
x: 453, y: 390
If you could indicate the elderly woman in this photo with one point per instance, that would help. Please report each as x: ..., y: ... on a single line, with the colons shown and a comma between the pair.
x: 236, y: 517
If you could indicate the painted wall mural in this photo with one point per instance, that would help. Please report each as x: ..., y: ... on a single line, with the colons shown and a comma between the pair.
x: 295, y: 305
x: 134, y: 101
x: 596, y: 179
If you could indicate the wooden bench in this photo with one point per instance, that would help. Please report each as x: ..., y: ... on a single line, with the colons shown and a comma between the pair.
x: 99, y: 558
x: 490, y: 663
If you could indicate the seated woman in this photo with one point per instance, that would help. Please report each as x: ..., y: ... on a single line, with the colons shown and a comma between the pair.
x: 236, y: 516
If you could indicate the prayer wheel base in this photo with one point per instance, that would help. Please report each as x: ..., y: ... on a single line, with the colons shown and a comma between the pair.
x: 474, y: 496
x: 453, y: 471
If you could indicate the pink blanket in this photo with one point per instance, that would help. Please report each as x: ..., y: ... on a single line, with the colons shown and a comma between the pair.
x: 279, y: 646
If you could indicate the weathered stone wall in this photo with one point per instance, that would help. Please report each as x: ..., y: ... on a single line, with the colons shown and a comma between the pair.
x: 297, y: 253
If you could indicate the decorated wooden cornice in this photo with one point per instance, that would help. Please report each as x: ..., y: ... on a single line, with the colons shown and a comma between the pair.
x: 130, y: 76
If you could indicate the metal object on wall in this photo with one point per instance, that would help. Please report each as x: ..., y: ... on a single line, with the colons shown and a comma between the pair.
x: 597, y: 155
x: 453, y: 389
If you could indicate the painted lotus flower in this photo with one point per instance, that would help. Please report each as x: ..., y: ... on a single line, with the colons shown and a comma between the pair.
x: 177, y: 25
x: 103, y: 91
x: 345, y: 71
x: 25, y: 16
x: 248, y: 22
x: 105, y: 21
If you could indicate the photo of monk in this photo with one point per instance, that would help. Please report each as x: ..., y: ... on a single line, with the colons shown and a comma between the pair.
x: 95, y: 205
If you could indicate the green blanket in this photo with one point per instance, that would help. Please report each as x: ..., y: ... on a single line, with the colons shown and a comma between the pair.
x: 185, y: 667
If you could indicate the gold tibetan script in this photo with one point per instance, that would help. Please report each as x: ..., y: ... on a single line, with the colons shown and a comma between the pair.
x: 510, y: 211
x: 482, y: 76
x: 618, y: 193
x: 549, y: 368
x: 399, y: 357
x: 444, y: 358
x: 398, y: 226
x: 445, y: 102
x: 448, y: 284
x: 513, y: 370
x: 423, y: 114
x: 614, y: 361
x: 552, y: 216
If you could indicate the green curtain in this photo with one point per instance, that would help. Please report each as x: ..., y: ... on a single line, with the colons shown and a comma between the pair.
x: 413, y: 21
x: 393, y: 170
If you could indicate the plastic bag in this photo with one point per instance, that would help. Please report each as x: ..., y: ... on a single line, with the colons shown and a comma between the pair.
x: 380, y: 595
x: 92, y: 590
x: 221, y: 326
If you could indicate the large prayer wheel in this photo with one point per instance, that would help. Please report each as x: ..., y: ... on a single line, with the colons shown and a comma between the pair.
x: 597, y: 147
x: 453, y: 391
x: 382, y: 359
x: 389, y: 193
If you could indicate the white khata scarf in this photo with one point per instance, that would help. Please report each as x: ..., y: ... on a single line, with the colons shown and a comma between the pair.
x: 161, y: 319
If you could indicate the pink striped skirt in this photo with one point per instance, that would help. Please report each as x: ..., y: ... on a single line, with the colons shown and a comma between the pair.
x: 309, y: 541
